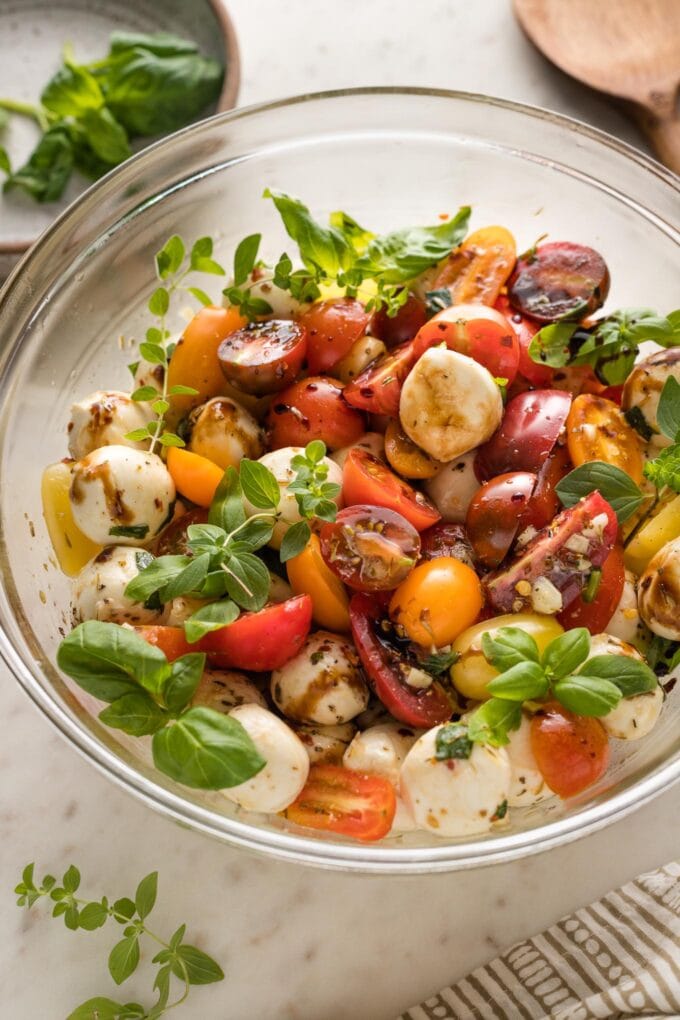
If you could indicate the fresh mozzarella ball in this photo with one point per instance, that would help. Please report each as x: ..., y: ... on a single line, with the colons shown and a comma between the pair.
x: 659, y: 592
x: 224, y: 432
x: 607, y: 644
x: 180, y: 609
x: 361, y: 354
x: 452, y: 488
x: 372, y: 442
x: 283, y: 305
x: 644, y: 385
x: 116, y: 491
x: 527, y: 785
x: 625, y: 622
x: 458, y: 796
x: 285, y: 773
x: 325, y: 744
x: 279, y: 590
x: 633, y: 718
x: 149, y: 374
x: 225, y: 689
x: 104, y: 419
x: 381, y: 749
x: 449, y: 404
x: 99, y: 588
x: 323, y: 683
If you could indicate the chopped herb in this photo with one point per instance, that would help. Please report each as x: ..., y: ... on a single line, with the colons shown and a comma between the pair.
x: 452, y: 741
x: 130, y: 530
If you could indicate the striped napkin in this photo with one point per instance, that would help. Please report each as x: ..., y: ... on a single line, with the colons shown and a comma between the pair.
x: 619, y: 957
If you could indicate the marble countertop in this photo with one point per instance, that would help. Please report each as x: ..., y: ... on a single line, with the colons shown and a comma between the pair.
x: 298, y: 944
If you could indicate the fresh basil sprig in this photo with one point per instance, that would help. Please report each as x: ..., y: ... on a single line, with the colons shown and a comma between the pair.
x: 314, y: 496
x: 239, y: 292
x: 664, y: 470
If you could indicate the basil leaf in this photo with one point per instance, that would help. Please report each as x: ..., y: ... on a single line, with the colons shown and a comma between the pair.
x: 630, y: 675
x: 105, y: 136
x: 566, y: 653
x: 206, y: 750
x: 611, y: 482
x: 254, y: 534
x: 357, y: 236
x: 106, y: 660
x: 155, y: 576
x: 665, y: 469
x: 185, y: 676
x: 668, y: 412
x: 189, y: 579
x: 48, y: 168
x: 201, y: 969
x: 586, y: 695
x: 492, y: 721
x: 129, y: 530
x: 452, y: 741
x: 71, y: 92
x: 260, y: 487
x: 508, y: 647
x: 135, y: 713
x: 295, y: 540
x: 163, y: 44
x: 321, y: 248
x: 438, y: 663
x: 170, y: 257
x: 210, y: 618
x: 245, y: 257
x: 247, y: 581
x: 5, y: 164
x: 522, y: 682
x: 403, y: 254
x: 550, y: 346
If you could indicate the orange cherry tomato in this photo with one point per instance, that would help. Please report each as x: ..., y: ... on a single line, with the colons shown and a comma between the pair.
x: 194, y: 361
x: 195, y: 477
x: 478, y: 269
x: 595, y: 615
x: 350, y: 803
x: 366, y: 480
x: 405, y: 457
x: 598, y: 430
x: 308, y: 574
x: 481, y: 332
x: 437, y: 601
x: 571, y: 751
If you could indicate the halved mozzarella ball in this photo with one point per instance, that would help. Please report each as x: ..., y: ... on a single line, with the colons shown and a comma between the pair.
x: 360, y: 355
x: 625, y: 622
x: 104, y: 418
x: 225, y: 689
x: 285, y: 773
x: 659, y: 592
x: 381, y: 749
x: 120, y: 493
x: 99, y: 588
x: 633, y: 718
x: 180, y: 609
x: 449, y: 404
x: 452, y: 488
x: 323, y: 683
x: 458, y: 796
x: 643, y: 388
x: 372, y: 442
x: 282, y: 303
x: 149, y: 374
x: 224, y: 432
x: 527, y: 785
x: 325, y: 744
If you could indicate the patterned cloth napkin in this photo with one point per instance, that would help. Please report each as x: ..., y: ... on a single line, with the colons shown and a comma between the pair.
x: 619, y: 957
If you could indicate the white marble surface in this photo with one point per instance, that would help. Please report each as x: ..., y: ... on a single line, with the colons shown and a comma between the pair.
x: 299, y: 944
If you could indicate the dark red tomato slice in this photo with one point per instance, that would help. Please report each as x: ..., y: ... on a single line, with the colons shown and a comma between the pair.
x: 558, y: 281
x: 525, y: 330
x: 370, y: 548
x: 596, y: 614
x: 350, y: 803
x: 332, y: 327
x: 385, y: 669
x: 613, y: 393
x: 263, y: 357
x: 445, y: 539
x: 571, y: 751
x: 174, y: 540
x: 552, y: 556
x: 314, y: 408
x: 401, y: 327
x: 531, y: 424
x: 496, y: 514
x: 478, y: 331
x: 545, y: 504
x: 365, y: 479
x: 378, y: 388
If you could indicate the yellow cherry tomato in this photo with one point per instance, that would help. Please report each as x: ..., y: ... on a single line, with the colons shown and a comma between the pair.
x: 476, y: 272
x: 437, y: 601
x: 597, y: 430
x: 309, y: 575
x: 72, y: 549
x: 471, y: 673
x: 663, y: 527
x: 405, y: 457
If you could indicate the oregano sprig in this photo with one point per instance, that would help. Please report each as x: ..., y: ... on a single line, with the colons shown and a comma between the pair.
x: 314, y: 495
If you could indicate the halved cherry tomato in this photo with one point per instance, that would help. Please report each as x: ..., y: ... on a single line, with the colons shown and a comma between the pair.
x: 332, y: 328
x: 405, y: 457
x: 401, y: 327
x: 386, y: 670
x: 308, y: 573
x: 545, y: 503
x: 174, y: 540
x: 437, y: 601
x: 529, y: 430
x: 263, y: 357
x: 598, y: 430
x: 171, y: 640
x: 559, y: 280
x: 314, y: 408
x: 365, y: 479
x: 525, y: 330
x: 446, y: 539
x: 378, y: 388
x: 350, y: 803
x: 370, y: 548
x: 478, y: 269
x: 478, y: 331
x: 613, y: 393
x: 194, y: 361
x: 571, y: 751
x: 595, y: 615
x: 195, y: 477
x: 496, y: 515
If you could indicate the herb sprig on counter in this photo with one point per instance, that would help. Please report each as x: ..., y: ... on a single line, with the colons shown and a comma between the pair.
x: 175, y: 958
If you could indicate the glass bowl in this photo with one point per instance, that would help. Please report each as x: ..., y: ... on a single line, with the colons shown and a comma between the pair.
x: 391, y: 158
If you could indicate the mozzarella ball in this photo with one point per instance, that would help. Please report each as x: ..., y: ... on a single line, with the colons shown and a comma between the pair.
x: 224, y: 432
x: 149, y: 374
x: 644, y: 385
x: 104, y: 419
x: 323, y: 683
x: 659, y: 592
x: 283, y: 305
x: 360, y: 355
x: 449, y: 404
x: 527, y: 785
x: 625, y: 622
x: 99, y: 588
x: 458, y: 796
x: 325, y: 744
x: 225, y: 689
x: 116, y: 491
x: 452, y: 488
x: 279, y: 590
x: 372, y: 442
x: 179, y: 609
x: 633, y: 718
x: 381, y: 749
x: 607, y: 644
x: 285, y: 773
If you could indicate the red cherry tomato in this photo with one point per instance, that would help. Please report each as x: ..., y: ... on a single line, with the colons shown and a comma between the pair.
x: 174, y: 540
x: 613, y: 393
x: 571, y: 751
x: 445, y: 539
x: 365, y: 479
x: 559, y: 280
x: 332, y: 327
x: 595, y: 615
x: 370, y: 548
x: 314, y: 408
x: 478, y: 331
x: 263, y: 357
x: 496, y: 514
x: 171, y: 640
x: 402, y: 326
x: 378, y: 388
x: 350, y: 803
x: 525, y: 330
x: 529, y: 430
x: 545, y: 504
x: 384, y: 667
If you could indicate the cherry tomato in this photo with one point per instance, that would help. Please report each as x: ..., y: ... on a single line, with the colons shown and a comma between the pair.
x: 476, y: 271
x: 496, y: 515
x: 613, y: 393
x: 525, y: 330
x: 478, y: 331
x: 598, y: 430
x: 194, y: 361
x: 402, y: 326
x: 386, y: 669
x: 314, y: 408
x: 263, y: 357
x: 405, y: 457
x: 171, y: 640
x: 332, y: 329
x: 545, y: 503
x: 370, y: 548
x: 437, y: 601
x: 571, y: 751
x: 445, y: 539
x: 307, y: 572
x: 365, y: 479
x: 174, y: 540
x: 559, y: 280
x: 529, y: 430
x: 350, y: 803
x: 595, y: 615
x: 378, y: 388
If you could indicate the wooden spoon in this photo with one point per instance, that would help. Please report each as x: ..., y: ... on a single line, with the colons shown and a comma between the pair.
x: 628, y: 48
